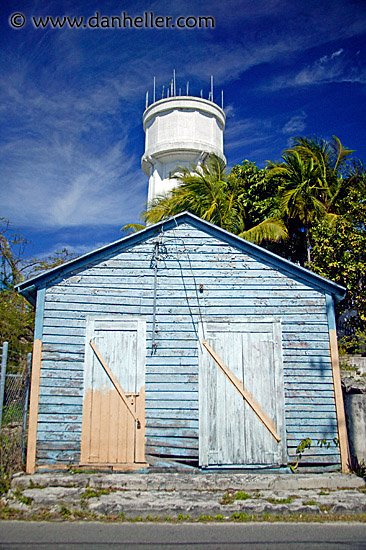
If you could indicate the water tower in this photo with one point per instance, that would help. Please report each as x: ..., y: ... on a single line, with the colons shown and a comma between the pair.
x: 180, y: 130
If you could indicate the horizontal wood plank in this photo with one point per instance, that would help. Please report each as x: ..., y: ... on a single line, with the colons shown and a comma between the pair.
x: 234, y: 284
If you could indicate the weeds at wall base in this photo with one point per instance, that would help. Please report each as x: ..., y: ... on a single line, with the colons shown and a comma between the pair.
x: 65, y: 513
x: 10, y: 456
x: 358, y: 467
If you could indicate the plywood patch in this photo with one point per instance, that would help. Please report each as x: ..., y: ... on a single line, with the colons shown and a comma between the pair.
x: 109, y: 433
x: 114, y: 394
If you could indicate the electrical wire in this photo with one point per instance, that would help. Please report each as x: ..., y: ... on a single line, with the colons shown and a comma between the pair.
x: 160, y: 253
x: 194, y: 282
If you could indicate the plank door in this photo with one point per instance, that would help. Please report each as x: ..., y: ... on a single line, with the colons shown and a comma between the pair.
x: 110, y: 435
x: 231, y: 434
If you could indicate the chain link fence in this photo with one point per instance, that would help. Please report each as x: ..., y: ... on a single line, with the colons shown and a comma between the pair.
x: 14, y: 397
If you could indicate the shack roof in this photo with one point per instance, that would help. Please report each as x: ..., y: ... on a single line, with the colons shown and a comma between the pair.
x: 29, y: 288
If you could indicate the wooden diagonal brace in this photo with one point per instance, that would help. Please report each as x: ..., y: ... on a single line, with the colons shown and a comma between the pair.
x: 115, y: 383
x: 243, y: 392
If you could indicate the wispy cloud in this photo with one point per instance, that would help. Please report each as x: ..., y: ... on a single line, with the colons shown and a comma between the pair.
x: 274, y: 31
x: 64, y: 185
x: 295, y: 125
x: 241, y: 132
x: 77, y: 250
x: 334, y: 67
x: 258, y: 138
x: 63, y: 164
x: 72, y: 100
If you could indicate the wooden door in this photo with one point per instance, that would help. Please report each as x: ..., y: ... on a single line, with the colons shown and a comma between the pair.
x: 230, y: 432
x: 110, y: 434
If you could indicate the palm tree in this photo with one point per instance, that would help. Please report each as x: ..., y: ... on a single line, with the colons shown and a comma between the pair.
x: 302, y: 191
x: 331, y: 159
x: 204, y: 191
x: 201, y: 190
x: 314, y: 175
x: 354, y: 181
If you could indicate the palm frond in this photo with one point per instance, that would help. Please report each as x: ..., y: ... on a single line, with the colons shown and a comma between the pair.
x: 132, y: 227
x: 340, y: 153
x: 331, y: 219
x: 272, y: 229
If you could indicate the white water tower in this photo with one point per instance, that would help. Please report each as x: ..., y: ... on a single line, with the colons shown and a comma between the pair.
x: 179, y: 131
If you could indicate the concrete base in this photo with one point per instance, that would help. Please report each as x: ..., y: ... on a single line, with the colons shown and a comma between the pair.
x: 357, y: 361
x: 195, y: 482
x: 355, y: 407
x: 184, y: 496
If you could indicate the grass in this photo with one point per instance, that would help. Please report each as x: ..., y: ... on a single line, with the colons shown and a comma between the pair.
x: 227, y: 498
x: 241, y: 516
x: 241, y: 495
x: 231, y: 496
x: 32, y: 485
x: 94, y: 493
x: 73, y: 470
x: 204, y: 518
x: 156, y: 518
x: 64, y: 513
x: 279, y: 500
x: 358, y: 467
x: 13, y: 413
x: 21, y: 498
x: 10, y: 455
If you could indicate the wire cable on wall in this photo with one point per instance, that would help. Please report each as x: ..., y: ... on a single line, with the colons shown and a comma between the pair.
x: 160, y: 253
x: 200, y: 317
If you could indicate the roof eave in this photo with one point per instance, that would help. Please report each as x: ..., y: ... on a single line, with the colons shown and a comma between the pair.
x: 28, y: 288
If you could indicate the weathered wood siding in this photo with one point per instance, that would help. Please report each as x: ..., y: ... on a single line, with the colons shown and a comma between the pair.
x: 109, y: 431
x: 230, y: 431
x: 199, y: 275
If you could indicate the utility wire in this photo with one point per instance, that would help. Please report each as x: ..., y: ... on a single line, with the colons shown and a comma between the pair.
x: 159, y: 254
x: 194, y: 282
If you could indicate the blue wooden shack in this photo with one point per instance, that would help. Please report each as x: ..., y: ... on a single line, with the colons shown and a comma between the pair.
x: 183, y: 344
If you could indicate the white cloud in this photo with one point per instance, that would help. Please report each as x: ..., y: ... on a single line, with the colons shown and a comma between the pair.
x: 334, y: 67
x: 62, y: 164
x: 229, y: 111
x: 72, y: 100
x: 243, y: 132
x: 295, y: 125
x: 58, y: 186
x: 258, y: 138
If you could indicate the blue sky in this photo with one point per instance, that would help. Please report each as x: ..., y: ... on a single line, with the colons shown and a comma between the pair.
x: 72, y: 100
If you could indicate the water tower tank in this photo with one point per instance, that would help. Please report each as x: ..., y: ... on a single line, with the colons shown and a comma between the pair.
x: 180, y: 131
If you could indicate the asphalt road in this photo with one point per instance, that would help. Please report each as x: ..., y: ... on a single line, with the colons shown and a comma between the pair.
x: 16, y: 535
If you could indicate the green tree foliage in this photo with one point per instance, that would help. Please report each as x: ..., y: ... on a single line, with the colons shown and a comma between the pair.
x: 16, y: 321
x: 35, y: 267
x: 331, y: 160
x: 339, y: 253
x: 16, y: 314
x: 256, y: 193
x: 211, y: 194
x: 301, y: 192
x: 313, y: 177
